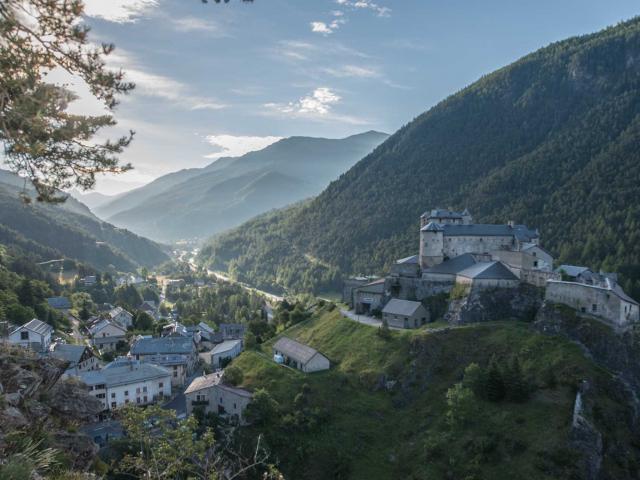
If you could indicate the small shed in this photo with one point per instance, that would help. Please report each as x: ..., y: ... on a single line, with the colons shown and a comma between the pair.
x: 405, y: 313
x: 300, y: 356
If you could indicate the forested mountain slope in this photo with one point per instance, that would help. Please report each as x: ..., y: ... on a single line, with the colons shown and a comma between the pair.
x: 199, y: 202
x: 70, y: 230
x: 551, y: 140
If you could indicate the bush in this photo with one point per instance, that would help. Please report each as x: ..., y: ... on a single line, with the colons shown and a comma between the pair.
x: 233, y: 375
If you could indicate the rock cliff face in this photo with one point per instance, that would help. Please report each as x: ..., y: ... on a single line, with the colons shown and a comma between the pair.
x: 592, y: 431
x: 496, y: 304
x: 37, y: 403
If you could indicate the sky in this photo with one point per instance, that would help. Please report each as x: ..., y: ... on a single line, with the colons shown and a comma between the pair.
x: 222, y: 79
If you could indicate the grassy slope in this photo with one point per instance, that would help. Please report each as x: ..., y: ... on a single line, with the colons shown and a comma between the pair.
x: 377, y: 434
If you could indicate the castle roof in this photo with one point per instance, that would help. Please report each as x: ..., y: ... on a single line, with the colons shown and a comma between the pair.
x: 376, y: 286
x: 453, y: 265
x: 432, y: 227
x: 572, y: 270
x: 521, y: 232
x: 443, y: 213
x: 397, y: 306
x: 488, y: 271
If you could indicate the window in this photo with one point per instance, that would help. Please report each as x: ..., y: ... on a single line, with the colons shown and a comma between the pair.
x: 138, y: 390
x: 24, y: 335
x: 175, y: 374
x: 594, y: 308
x: 126, y: 393
x: 160, y: 385
x: 144, y: 389
x: 535, y: 263
x: 113, y: 404
x: 101, y: 395
x: 234, y: 406
x: 113, y: 395
x: 126, y: 401
x: 145, y: 399
x: 138, y: 400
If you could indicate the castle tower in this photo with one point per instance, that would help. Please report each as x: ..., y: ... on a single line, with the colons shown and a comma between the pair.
x: 431, y: 245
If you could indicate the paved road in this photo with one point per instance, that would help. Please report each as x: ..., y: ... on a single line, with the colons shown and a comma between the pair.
x: 179, y: 402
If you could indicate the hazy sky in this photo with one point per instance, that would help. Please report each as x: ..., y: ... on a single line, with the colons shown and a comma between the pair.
x: 226, y: 78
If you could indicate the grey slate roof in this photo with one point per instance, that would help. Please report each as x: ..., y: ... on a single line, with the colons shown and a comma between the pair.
x: 453, y: 265
x: 225, y: 346
x: 443, y: 213
x: 238, y: 391
x: 617, y: 289
x: 163, y: 345
x: 69, y: 353
x: 205, y: 381
x: 124, y: 373
x: 373, y: 287
x: 296, y: 350
x: 409, y: 260
x: 432, y: 227
x: 36, y: 326
x: 101, y: 324
x: 396, y: 306
x: 488, y: 271
x: 521, y: 232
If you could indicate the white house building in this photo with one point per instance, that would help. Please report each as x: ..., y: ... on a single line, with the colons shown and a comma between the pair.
x: 405, y: 313
x: 207, y: 392
x: 300, y: 356
x: 178, y: 354
x: 80, y: 357
x: 34, y: 334
x: 128, y: 381
x: 229, y: 349
x: 120, y: 316
x: 105, y: 335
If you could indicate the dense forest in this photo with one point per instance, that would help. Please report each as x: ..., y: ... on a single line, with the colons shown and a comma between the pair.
x: 550, y: 140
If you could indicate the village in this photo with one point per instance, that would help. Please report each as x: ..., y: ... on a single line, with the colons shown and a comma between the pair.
x: 183, y: 366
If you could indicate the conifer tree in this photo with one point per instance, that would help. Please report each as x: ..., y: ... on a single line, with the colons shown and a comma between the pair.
x: 515, y: 384
x: 495, y: 383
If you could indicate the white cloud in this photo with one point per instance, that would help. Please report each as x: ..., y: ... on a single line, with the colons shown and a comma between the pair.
x: 195, y: 24
x: 236, y: 146
x: 119, y: 11
x: 352, y: 71
x: 318, y: 105
x: 159, y: 86
x: 327, y: 28
x: 366, y: 4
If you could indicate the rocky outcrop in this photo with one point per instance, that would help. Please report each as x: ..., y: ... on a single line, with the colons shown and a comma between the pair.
x: 585, y: 437
x: 496, y: 304
x: 35, y: 399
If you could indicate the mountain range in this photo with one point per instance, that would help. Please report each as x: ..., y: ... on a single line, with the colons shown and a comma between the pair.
x: 199, y: 202
x: 550, y: 140
x: 69, y: 230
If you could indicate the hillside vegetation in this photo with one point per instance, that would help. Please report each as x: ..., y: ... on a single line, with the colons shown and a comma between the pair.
x: 71, y: 231
x: 391, y: 408
x: 200, y: 202
x: 550, y: 141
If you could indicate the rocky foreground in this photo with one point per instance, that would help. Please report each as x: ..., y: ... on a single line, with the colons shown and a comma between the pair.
x: 39, y: 408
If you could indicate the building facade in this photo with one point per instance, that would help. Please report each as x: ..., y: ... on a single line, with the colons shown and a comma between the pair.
x: 212, y: 396
x: 405, y: 314
x: 34, y: 334
x: 299, y: 356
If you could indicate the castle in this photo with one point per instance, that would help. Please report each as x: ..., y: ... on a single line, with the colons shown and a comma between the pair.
x: 454, y: 250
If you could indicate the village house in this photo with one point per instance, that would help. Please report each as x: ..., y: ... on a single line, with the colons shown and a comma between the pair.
x: 405, y: 313
x: 209, y: 393
x: 127, y: 381
x: 206, y: 333
x: 120, y: 316
x: 34, y: 334
x: 601, y: 298
x: 105, y: 335
x: 89, y: 280
x: 300, y: 356
x: 59, y: 303
x: 223, y: 353
x: 80, y: 358
x: 178, y: 354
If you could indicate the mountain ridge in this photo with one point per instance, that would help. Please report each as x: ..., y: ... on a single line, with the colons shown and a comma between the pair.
x: 553, y: 131
x: 183, y: 204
